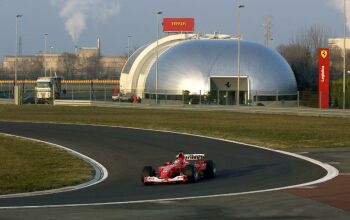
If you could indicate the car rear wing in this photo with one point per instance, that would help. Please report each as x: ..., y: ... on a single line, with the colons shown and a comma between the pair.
x: 194, y: 156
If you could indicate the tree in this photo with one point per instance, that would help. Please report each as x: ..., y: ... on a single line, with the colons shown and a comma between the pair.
x: 68, y: 65
x: 30, y: 68
x: 92, y: 67
x: 302, y: 54
x: 3, y: 74
x: 313, y: 38
x: 300, y: 60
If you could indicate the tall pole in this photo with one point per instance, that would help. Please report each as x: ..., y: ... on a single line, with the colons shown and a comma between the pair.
x: 45, y: 42
x: 16, y: 94
x: 45, y: 52
x: 267, y: 30
x: 17, y: 47
x: 129, y: 45
x: 238, y: 56
x: 158, y: 13
x: 51, y: 48
x: 344, y: 57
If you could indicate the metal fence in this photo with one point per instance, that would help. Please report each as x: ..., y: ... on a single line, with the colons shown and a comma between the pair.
x: 216, y: 97
x: 104, y: 92
x: 69, y: 91
x: 6, y: 91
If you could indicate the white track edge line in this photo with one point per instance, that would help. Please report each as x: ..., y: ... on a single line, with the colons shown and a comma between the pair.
x: 101, y: 172
x: 332, y: 172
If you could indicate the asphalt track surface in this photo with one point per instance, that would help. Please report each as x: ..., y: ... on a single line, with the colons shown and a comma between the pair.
x: 125, y: 151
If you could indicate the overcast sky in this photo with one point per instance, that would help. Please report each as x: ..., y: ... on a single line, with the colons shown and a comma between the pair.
x: 113, y: 20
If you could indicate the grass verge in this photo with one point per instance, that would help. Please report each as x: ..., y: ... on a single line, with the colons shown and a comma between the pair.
x: 27, y: 166
x: 275, y: 131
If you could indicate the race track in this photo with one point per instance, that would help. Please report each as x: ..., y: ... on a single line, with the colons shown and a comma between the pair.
x: 125, y: 151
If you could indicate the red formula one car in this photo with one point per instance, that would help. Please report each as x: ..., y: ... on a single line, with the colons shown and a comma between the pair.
x: 186, y: 168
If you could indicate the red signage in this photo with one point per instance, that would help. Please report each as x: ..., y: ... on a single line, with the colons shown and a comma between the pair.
x: 323, y: 78
x: 178, y: 25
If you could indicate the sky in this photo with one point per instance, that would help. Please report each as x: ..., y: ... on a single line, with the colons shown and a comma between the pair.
x: 71, y: 23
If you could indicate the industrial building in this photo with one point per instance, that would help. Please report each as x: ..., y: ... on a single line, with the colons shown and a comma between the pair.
x: 338, y: 43
x: 85, y: 63
x: 208, y: 65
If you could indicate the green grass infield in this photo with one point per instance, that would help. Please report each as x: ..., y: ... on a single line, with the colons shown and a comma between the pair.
x: 274, y: 131
x: 27, y: 166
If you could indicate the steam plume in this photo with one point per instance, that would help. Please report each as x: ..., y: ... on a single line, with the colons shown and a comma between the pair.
x: 77, y: 13
x: 339, y: 4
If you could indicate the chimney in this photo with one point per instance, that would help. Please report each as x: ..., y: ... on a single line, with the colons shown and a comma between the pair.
x: 76, y: 50
x: 98, y: 47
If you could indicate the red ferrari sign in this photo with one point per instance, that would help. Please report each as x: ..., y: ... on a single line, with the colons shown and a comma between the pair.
x: 178, y: 25
x: 323, y: 79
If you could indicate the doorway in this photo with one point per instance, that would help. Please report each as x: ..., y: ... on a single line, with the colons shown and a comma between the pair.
x: 225, y: 87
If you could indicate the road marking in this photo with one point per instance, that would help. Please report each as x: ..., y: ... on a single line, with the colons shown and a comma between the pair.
x: 333, y: 163
x: 307, y: 187
x: 332, y: 172
x: 101, y: 172
x: 164, y: 202
x: 305, y: 152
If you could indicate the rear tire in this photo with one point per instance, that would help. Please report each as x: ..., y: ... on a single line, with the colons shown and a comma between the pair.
x: 191, y: 173
x: 210, y: 169
x: 147, y: 171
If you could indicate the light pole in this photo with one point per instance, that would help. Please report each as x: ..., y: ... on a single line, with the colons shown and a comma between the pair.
x: 17, y: 47
x: 238, y: 56
x: 45, y: 51
x: 344, y: 61
x: 45, y: 42
x: 51, y: 48
x: 16, y: 88
x: 129, y: 45
x: 158, y: 13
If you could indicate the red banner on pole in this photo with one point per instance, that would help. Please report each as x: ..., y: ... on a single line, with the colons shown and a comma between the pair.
x: 323, y: 78
x: 178, y: 25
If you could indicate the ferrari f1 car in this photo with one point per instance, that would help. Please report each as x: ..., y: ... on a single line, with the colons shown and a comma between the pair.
x: 186, y: 168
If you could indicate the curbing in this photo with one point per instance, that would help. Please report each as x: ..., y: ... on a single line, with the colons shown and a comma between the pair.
x: 101, y: 172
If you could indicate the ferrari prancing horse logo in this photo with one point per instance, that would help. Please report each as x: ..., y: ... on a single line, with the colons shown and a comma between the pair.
x: 324, y: 54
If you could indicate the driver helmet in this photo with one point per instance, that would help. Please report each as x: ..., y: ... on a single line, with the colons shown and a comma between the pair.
x: 181, y: 155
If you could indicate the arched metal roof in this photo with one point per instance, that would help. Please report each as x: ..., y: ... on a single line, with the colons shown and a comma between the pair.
x: 131, y: 60
x: 190, y: 64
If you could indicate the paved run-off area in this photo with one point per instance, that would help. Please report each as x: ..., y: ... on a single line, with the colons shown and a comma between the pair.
x: 336, y: 192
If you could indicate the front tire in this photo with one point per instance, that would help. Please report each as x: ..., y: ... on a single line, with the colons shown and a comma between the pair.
x: 191, y: 173
x: 147, y: 171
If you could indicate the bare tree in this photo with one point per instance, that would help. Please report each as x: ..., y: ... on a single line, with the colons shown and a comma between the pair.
x: 92, y: 67
x: 3, y: 74
x: 31, y: 68
x: 9, y: 70
x: 27, y: 68
x: 313, y: 38
x: 302, y: 54
x: 300, y: 60
x: 112, y: 68
x: 68, y: 65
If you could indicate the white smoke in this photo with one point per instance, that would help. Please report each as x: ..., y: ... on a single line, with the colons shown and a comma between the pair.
x: 77, y: 13
x: 339, y: 4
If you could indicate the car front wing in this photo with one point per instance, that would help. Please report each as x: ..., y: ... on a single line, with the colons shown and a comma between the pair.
x: 153, y: 179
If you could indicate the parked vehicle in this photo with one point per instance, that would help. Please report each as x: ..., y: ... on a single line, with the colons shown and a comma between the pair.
x: 118, y: 97
x: 47, y: 88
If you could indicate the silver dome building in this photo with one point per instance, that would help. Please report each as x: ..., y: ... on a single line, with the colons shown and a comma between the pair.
x: 208, y: 66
